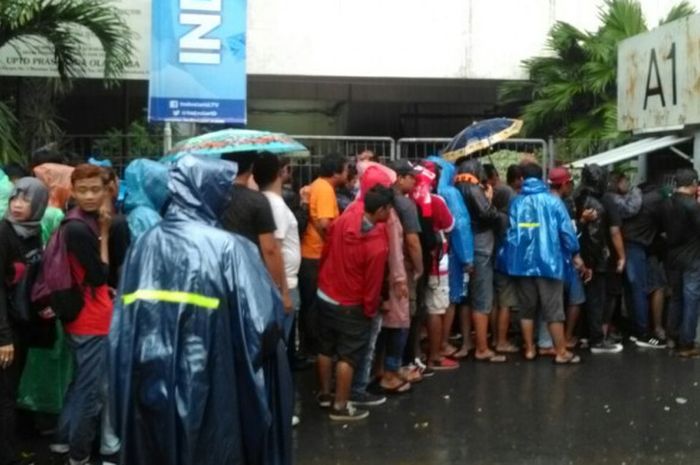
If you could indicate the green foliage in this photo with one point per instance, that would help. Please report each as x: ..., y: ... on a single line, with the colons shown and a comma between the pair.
x: 9, y: 150
x: 572, y: 92
x: 141, y: 141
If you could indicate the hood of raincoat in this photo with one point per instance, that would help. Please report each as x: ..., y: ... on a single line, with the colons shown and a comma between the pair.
x: 198, y: 367
x: 146, y: 183
x: 533, y: 186
x: 540, y: 234
x: 461, y: 238
x: 374, y: 175
x: 200, y: 188
x: 57, y: 178
x: 594, y: 179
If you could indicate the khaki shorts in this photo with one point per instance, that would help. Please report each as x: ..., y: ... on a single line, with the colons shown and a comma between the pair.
x: 437, y: 295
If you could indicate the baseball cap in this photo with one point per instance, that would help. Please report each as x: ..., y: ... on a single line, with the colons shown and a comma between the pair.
x: 559, y: 175
x: 404, y: 168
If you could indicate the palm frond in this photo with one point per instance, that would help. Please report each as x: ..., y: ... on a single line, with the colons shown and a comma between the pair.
x: 57, y: 22
x: 679, y: 11
x: 9, y: 148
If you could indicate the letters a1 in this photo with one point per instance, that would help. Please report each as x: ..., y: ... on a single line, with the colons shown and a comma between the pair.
x: 658, y: 88
x: 195, y: 48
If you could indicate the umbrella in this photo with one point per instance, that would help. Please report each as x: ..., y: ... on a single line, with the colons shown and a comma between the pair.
x: 215, y: 144
x: 480, y: 135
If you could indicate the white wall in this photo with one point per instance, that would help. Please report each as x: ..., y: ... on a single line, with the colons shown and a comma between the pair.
x: 473, y: 39
x: 462, y: 39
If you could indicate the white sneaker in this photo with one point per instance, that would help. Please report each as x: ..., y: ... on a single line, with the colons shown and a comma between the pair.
x: 59, y: 448
x: 295, y: 421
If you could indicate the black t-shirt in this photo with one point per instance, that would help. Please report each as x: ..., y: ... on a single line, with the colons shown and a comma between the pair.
x: 597, y: 249
x: 643, y: 227
x: 249, y: 214
x: 84, y: 245
x: 681, y: 222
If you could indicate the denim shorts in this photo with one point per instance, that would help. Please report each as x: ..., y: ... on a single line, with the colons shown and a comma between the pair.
x: 573, y: 289
x: 481, y: 284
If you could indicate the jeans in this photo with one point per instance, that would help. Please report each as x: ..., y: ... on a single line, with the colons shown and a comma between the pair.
x: 360, y: 379
x: 308, y: 311
x: 392, y: 342
x: 636, y: 273
x: 596, y: 305
x: 9, y: 383
x: 683, y: 308
x: 83, y: 404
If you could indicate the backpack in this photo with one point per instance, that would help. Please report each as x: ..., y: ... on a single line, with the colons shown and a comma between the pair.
x: 55, y: 287
x: 20, y: 304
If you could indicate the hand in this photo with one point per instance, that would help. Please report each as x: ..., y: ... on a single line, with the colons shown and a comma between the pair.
x: 7, y: 355
x: 304, y: 194
x: 287, y: 302
x: 620, y: 265
x: 488, y: 191
x: 589, y: 215
x: 105, y: 220
x: 586, y: 275
x: 401, y: 290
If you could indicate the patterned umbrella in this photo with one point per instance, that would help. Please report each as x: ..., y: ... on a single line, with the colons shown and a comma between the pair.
x: 479, y: 136
x: 215, y: 144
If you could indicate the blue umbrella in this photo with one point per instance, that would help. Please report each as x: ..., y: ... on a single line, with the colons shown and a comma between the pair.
x: 215, y: 144
x: 479, y: 136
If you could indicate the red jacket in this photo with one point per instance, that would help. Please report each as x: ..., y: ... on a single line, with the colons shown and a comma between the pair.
x: 353, y: 262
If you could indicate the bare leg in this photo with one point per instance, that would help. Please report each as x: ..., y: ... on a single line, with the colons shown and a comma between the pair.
x: 502, y: 343
x: 434, y: 338
x: 528, y: 328
x: 556, y: 329
x: 572, y: 316
x: 465, y: 322
x: 447, y: 321
x: 657, y: 310
x: 324, y: 367
x: 343, y: 381
x: 481, y: 323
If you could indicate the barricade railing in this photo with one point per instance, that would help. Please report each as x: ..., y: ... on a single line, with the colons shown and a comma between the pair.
x: 347, y: 146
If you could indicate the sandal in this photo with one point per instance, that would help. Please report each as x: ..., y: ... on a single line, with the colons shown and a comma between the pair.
x: 546, y: 351
x: 507, y: 349
x: 493, y: 358
x: 411, y: 374
x: 402, y: 388
x: 572, y: 359
x: 444, y: 364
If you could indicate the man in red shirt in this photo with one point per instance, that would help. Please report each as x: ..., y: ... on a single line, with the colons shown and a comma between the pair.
x: 87, y: 244
x: 349, y: 291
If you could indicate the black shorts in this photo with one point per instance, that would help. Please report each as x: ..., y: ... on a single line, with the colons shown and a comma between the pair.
x: 344, y: 332
x: 545, y: 295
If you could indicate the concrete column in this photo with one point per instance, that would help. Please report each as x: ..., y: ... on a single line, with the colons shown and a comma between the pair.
x: 696, y: 152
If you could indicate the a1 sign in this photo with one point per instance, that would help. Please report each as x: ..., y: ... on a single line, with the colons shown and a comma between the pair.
x: 658, y: 78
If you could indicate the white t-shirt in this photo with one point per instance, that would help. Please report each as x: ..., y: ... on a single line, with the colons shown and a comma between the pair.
x: 287, y: 232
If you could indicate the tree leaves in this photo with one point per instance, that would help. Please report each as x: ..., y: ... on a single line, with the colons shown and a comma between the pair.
x: 572, y: 93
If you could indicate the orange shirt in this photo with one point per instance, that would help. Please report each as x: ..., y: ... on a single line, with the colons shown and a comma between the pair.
x: 322, y: 205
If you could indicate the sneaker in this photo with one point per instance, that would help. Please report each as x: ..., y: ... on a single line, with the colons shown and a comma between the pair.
x: 365, y: 399
x: 419, y: 363
x: 650, y: 342
x: 111, y: 459
x: 295, y: 421
x: 606, y: 347
x: 349, y: 413
x: 325, y: 400
x: 615, y: 337
x: 428, y: 372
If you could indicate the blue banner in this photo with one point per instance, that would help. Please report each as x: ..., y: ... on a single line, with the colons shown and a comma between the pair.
x: 198, y: 61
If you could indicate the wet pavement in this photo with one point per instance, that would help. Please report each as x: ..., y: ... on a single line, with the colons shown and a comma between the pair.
x: 637, y: 407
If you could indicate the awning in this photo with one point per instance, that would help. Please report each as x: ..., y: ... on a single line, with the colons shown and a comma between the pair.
x: 632, y: 150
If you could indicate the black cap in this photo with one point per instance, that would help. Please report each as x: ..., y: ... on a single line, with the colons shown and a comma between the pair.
x: 404, y: 168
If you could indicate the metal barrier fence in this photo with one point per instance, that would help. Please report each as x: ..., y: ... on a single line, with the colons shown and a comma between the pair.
x: 348, y: 146
x: 415, y: 149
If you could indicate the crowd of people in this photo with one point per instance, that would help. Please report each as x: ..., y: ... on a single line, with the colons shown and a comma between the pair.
x: 186, y: 302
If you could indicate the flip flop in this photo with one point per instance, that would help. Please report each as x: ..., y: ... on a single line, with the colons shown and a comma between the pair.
x: 495, y: 358
x: 402, y: 388
x: 509, y: 349
x: 546, y: 352
x: 573, y: 360
x: 531, y: 357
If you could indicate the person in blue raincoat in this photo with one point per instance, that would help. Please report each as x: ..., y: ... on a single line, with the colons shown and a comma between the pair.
x: 146, y: 183
x: 461, y: 239
x: 539, y: 236
x: 199, y: 365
